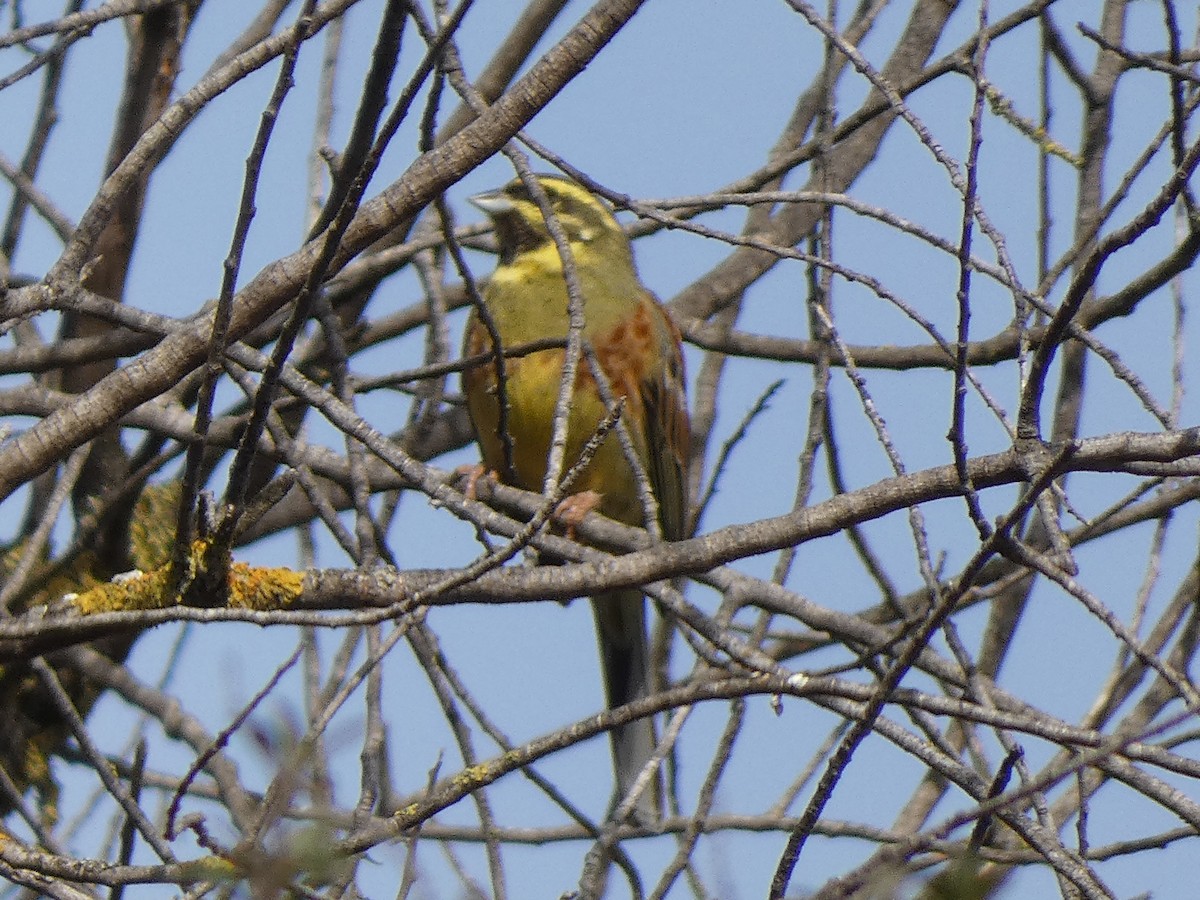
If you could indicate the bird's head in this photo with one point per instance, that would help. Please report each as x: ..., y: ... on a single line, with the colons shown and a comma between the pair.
x: 521, y: 227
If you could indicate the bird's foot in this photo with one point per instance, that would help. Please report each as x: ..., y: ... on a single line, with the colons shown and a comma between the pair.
x: 473, y: 473
x: 571, y: 512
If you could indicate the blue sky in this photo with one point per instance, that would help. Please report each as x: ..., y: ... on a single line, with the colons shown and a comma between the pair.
x: 686, y: 99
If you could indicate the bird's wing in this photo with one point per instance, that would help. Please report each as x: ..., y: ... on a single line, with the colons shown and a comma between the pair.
x: 668, y: 429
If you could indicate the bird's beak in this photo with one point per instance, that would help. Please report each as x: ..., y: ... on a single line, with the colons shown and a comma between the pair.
x: 494, y: 203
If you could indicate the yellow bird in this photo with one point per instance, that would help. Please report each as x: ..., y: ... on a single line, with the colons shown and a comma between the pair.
x: 638, y: 349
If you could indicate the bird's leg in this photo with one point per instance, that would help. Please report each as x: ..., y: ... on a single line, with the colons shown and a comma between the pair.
x: 473, y: 473
x: 571, y: 512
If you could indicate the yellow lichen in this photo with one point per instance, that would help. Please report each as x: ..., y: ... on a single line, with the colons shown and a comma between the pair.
x: 473, y: 776
x: 35, y: 772
x: 246, y: 587
x: 1003, y: 107
x: 258, y: 587
x: 152, y: 528
x: 146, y: 590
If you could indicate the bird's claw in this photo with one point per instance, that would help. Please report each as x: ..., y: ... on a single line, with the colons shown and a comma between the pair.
x: 473, y: 473
x: 571, y: 512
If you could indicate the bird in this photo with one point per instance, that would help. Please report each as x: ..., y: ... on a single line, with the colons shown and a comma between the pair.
x: 637, y: 347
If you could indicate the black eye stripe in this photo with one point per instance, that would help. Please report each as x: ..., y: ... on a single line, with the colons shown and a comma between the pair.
x: 518, y: 191
x: 582, y: 217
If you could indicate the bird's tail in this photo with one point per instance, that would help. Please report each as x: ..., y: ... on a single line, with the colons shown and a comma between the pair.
x: 625, y: 658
